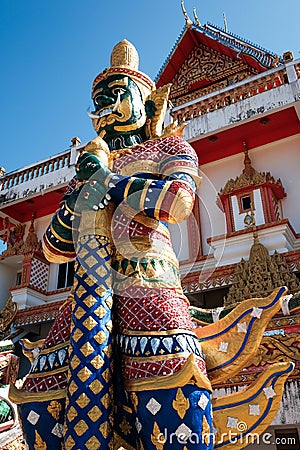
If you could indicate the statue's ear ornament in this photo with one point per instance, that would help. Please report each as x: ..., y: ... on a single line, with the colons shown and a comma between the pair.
x: 156, y: 116
x: 160, y: 99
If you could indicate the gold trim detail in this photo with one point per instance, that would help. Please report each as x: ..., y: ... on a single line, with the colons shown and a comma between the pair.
x: 58, y: 236
x: 56, y: 256
x: 145, y: 166
x: 45, y: 351
x: 157, y: 357
x: 62, y: 223
x: 127, y: 187
x: 19, y: 397
x: 52, y: 372
x: 190, y: 373
x: 96, y: 223
x: 158, y: 332
x: 144, y: 194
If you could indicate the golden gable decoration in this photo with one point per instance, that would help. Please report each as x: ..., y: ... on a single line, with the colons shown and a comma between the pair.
x: 207, y: 65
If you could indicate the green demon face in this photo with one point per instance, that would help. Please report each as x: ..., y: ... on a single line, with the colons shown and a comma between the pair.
x: 119, y: 111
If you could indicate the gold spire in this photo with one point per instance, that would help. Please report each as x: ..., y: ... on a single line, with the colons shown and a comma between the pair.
x: 188, y: 21
x: 247, y: 162
x: 249, y: 177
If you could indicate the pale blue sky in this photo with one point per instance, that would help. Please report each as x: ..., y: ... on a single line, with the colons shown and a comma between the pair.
x: 52, y: 49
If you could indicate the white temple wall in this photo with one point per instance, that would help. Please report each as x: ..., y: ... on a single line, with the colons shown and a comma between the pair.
x: 282, y: 159
x: 8, y: 276
x: 214, y: 177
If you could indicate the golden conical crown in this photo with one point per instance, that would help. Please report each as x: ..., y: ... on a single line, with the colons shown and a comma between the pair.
x: 124, y: 60
x: 124, y: 54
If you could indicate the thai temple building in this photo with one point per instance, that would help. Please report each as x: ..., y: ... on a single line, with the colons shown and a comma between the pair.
x: 241, y: 106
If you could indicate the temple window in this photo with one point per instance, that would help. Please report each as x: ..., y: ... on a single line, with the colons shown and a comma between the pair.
x: 246, y: 203
x: 65, y: 276
x: 19, y: 278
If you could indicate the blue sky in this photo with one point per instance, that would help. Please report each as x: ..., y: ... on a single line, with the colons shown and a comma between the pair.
x: 51, y: 50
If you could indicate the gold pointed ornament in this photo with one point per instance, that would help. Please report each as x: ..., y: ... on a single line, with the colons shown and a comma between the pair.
x: 181, y: 404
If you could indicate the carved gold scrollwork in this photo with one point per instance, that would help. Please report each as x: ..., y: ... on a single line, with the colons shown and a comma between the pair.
x: 207, y: 65
x: 278, y: 349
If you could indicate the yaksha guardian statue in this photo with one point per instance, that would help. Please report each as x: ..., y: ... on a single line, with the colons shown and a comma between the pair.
x: 138, y: 373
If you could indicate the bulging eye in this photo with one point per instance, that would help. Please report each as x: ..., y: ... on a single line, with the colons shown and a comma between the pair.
x: 97, y: 100
x: 118, y: 90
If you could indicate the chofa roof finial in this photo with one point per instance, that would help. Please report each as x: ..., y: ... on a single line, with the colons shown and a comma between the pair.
x: 225, y: 22
x: 188, y: 21
x: 196, y: 17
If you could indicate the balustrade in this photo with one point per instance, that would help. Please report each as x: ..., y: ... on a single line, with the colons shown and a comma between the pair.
x: 16, y: 178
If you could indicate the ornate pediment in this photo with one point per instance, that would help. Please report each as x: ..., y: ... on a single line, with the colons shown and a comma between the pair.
x: 14, y: 239
x: 206, y: 70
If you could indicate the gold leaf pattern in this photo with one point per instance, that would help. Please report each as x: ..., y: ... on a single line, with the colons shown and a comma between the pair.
x: 105, y: 429
x: 92, y: 443
x: 96, y: 386
x: 106, y: 400
x: 83, y: 401
x: 80, y: 428
x: 89, y: 323
x: 181, y: 404
x: 84, y: 374
x: 97, y: 362
x: 125, y: 426
x: 39, y: 443
x: 156, y: 433
x: 205, y: 431
x: 134, y: 400
x: 70, y: 443
x: 54, y: 409
x: 100, y: 337
x: 94, y: 413
x: 72, y: 413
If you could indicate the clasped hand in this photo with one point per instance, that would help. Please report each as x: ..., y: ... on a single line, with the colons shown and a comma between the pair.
x: 92, y: 194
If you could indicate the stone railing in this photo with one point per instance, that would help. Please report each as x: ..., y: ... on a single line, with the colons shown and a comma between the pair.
x: 35, y: 171
x: 233, y: 94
